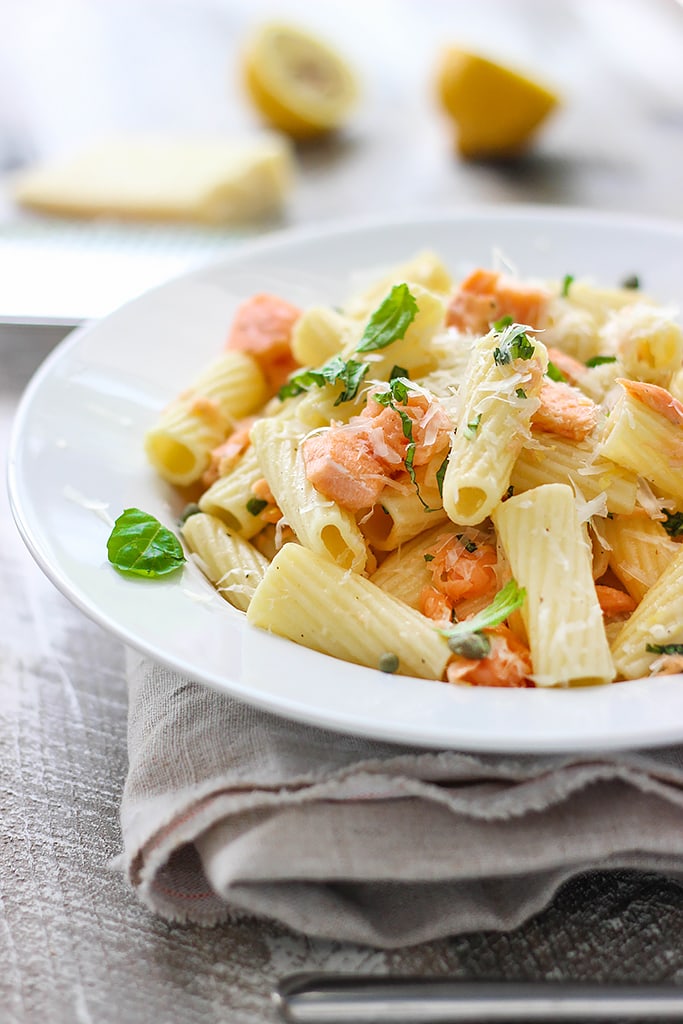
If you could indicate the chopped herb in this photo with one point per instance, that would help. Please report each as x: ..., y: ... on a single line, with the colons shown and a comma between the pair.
x: 398, y: 393
x: 600, y: 360
x: 350, y: 373
x: 139, y: 545
x: 473, y: 645
x: 664, y: 648
x: 509, y: 493
x: 514, y: 343
x: 256, y: 505
x: 673, y: 524
x: 520, y: 392
x: 390, y: 321
x: 399, y: 371
x: 500, y: 325
x: 440, y: 474
x: 468, y: 544
x: 429, y: 558
x: 506, y: 601
x: 632, y: 282
x: 471, y: 428
x: 555, y: 374
x: 190, y: 510
x: 567, y: 282
x: 388, y: 662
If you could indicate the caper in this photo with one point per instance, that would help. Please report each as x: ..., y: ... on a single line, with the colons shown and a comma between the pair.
x: 388, y: 662
x: 470, y: 645
x: 190, y: 510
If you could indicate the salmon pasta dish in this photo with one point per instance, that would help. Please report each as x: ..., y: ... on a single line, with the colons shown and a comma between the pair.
x: 473, y: 479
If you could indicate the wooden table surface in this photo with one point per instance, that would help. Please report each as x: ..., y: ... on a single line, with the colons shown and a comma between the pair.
x: 75, y: 944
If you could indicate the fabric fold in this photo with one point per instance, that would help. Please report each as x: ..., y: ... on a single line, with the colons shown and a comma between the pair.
x: 229, y: 810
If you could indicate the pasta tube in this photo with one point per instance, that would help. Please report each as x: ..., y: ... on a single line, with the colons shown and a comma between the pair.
x: 553, y: 459
x: 319, y: 333
x: 645, y: 434
x: 404, y: 573
x: 230, y: 562
x: 179, y: 445
x: 639, y: 551
x: 319, y: 524
x: 658, y: 620
x: 306, y: 598
x: 549, y: 555
x: 499, y: 397
x: 228, y: 498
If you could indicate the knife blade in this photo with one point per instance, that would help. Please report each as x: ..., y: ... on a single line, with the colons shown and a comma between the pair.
x: 319, y: 998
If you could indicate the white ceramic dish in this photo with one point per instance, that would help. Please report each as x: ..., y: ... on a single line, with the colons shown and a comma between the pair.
x: 76, y: 457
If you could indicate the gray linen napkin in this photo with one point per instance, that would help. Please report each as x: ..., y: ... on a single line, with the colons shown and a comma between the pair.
x: 228, y: 810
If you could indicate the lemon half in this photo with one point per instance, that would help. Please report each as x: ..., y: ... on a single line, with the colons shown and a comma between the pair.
x: 299, y: 84
x: 496, y: 110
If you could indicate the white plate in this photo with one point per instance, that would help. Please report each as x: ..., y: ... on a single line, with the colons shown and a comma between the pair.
x: 77, y: 445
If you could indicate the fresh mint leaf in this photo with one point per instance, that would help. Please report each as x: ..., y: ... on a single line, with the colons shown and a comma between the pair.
x: 506, y: 601
x: 349, y: 373
x: 139, y: 545
x: 399, y: 371
x: 390, y: 321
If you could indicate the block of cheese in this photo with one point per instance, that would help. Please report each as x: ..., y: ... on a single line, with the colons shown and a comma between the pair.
x: 209, y: 181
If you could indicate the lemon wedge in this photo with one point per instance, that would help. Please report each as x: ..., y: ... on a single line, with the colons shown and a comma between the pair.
x: 299, y: 84
x: 496, y: 110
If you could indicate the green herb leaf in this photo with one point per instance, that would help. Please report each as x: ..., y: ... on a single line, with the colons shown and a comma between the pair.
x: 349, y: 373
x: 428, y: 558
x: 440, y: 474
x: 632, y: 282
x: 500, y: 325
x: 398, y: 392
x: 399, y: 371
x: 390, y: 321
x: 554, y: 373
x: 471, y: 428
x: 506, y: 601
x: 140, y: 546
x: 514, y: 343
x: 664, y: 648
x: 567, y: 282
x: 520, y: 392
x: 256, y: 505
x: 468, y: 544
x: 600, y: 360
x: 673, y: 524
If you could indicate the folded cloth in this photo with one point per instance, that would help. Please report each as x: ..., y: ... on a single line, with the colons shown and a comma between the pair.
x: 228, y: 810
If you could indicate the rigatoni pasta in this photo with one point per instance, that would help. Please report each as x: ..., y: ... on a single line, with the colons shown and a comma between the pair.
x: 477, y: 482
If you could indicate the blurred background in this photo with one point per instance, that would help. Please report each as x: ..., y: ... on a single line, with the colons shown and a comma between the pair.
x: 75, y: 71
